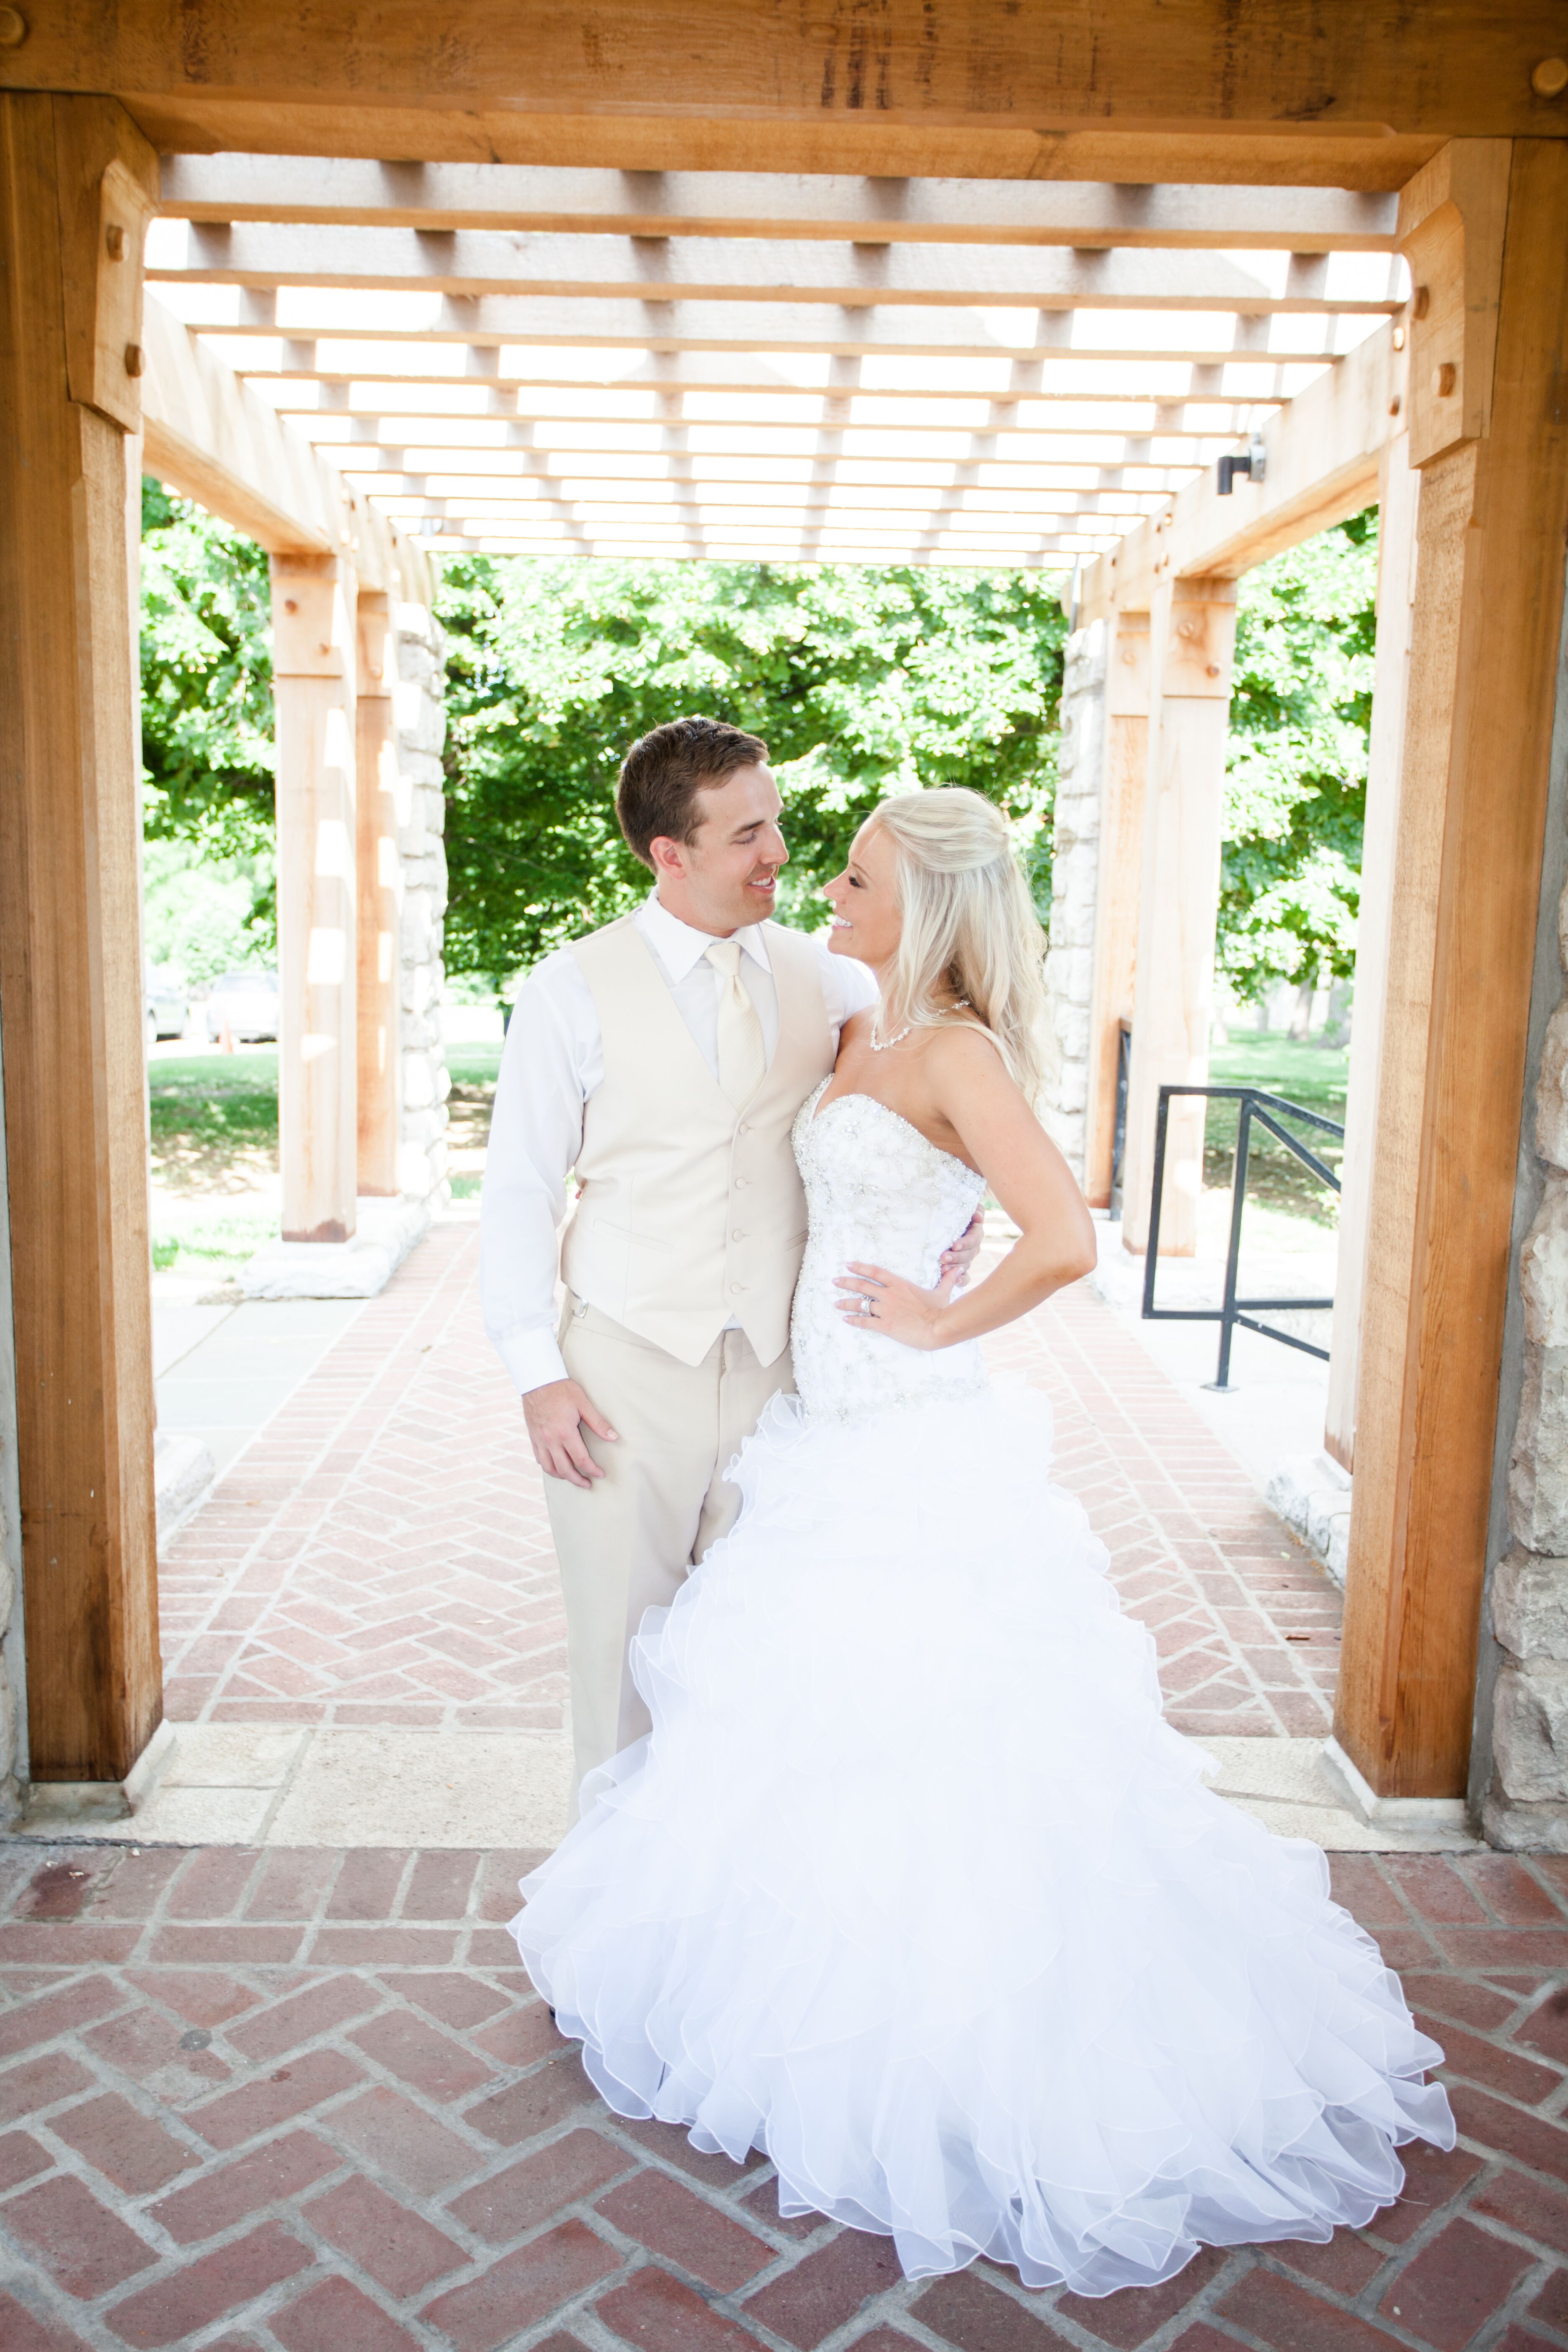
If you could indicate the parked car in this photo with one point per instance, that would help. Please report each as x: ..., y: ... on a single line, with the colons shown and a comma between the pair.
x: 246, y: 1004
x: 166, y: 1003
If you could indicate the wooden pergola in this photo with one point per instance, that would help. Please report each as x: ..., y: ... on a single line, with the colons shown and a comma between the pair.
x: 962, y: 282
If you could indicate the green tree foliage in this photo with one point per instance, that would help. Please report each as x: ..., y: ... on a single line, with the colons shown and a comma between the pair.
x: 862, y: 682
x: 206, y: 740
x: 1296, y: 790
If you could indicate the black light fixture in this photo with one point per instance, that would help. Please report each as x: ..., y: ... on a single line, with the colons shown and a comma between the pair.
x: 1252, y: 465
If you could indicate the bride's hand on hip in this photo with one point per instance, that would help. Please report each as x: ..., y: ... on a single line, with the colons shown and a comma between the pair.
x: 892, y: 1309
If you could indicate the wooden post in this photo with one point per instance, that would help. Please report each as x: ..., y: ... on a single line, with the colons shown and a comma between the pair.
x: 1191, y: 639
x: 1118, y: 886
x: 313, y: 601
x: 1485, y: 230
x: 1399, y: 485
x: 378, y: 993
x: 77, y: 183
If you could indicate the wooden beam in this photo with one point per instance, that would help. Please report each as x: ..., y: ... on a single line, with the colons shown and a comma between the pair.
x: 1005, y: 487
x: 1492, y: 520
x: 546, y: 389
x: 1011, y: 332
x: 313, y: 675
x: 469, y: 263
x: 1119, y: 887
x: 1398, y: 492
x: 378, y: 991
x: 1031, y: 431
x: 1352, y: 77
x: 76, y: 185
x: 212, y: 439
x: 1006, y: 508
x: 225, y: 188
x: 1192, y: 641
x: 1322, y: 462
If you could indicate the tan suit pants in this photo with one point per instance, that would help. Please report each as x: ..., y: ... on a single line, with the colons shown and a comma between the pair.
x: 627, y: 1543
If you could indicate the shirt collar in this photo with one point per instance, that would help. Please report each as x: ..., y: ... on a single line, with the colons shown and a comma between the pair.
x: 680, y: 949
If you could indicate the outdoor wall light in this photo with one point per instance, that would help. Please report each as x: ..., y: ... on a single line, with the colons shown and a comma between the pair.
x: 1252, y: 465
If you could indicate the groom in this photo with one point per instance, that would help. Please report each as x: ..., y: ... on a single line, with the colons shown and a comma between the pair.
x: 663, y: 1059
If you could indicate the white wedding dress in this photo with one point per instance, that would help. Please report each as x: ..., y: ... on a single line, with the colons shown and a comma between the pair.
x: 912, y: 1886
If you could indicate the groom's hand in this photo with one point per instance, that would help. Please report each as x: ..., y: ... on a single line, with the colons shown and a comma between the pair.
x: 965, y: 1250
x: 557, y: 1415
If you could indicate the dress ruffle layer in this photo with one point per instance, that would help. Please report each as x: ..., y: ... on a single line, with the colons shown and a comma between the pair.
x: 914, y: 1888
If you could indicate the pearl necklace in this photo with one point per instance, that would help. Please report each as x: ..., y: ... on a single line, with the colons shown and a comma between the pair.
x: 886, y: 1045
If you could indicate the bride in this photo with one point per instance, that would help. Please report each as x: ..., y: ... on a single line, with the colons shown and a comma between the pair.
x: 911, y: 1885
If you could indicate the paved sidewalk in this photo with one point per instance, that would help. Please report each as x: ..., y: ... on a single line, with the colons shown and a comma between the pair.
x: 306, y: 2101
x: 380, y: 1556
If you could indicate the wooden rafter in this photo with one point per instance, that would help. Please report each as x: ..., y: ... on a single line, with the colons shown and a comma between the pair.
x: 475, y: 262
x: 226, y: 188
x: 1322, y: 466
x: 1012, y: 330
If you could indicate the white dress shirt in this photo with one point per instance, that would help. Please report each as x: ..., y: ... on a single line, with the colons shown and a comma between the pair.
x: 552, y: 1061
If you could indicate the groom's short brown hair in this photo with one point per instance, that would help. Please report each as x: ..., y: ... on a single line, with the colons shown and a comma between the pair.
x: 666, y: 769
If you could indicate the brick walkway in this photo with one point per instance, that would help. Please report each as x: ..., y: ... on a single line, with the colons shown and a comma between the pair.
x: 381, y: 1554
x: 300, y: 2100
x: 304, y: 2100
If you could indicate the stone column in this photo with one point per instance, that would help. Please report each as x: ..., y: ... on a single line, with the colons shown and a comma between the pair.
x: 1191, y: 639
x: 378, y: 989
x: 1521, y: 1718
x: 1119, y: 887
x: 1075, y: 857
x: 418, y: 704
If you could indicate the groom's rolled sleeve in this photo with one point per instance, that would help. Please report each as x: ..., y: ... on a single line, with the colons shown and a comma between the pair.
x: 536, y: 1132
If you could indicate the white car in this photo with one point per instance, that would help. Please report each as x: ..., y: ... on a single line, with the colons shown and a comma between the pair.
x: 246, y: 1003
x: 166, y: 1007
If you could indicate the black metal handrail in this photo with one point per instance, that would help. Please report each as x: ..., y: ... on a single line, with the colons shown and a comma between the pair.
x: 1235, y: 1310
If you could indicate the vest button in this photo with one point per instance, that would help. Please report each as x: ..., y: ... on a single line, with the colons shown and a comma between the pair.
x: 742, y: 1182
x: 743, y: 1129
x: 736, y: 1288
x: 737, y: 1235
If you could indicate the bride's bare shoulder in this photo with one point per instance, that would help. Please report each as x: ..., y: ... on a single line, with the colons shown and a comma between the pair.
x: 960, y: 1045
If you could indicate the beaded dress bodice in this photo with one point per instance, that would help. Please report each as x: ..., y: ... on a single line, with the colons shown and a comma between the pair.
x: 879, y: 1191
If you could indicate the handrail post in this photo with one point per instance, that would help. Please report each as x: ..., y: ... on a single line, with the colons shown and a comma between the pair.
x: 1151, y: 1250
x: 1233, y: 1254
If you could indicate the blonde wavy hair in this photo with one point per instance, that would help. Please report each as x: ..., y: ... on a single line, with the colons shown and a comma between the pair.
x: 970, y: 931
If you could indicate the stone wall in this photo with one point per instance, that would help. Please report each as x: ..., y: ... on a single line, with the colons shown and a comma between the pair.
x: 420, y: 723
x: 1521, y: 1718
x: 1075, y: 880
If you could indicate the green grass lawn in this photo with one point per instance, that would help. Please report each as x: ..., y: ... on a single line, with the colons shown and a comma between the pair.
x: 215, y: 1138
x: 214, y: 1104
x: 1312, y: 1074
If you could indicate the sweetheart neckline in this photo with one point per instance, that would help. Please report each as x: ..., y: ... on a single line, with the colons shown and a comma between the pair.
x: 819, y: 1107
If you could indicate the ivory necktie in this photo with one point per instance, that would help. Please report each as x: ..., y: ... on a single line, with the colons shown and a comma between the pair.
x: 743, y: 1057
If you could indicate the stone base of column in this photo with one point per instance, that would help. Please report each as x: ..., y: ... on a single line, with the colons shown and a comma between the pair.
x: 387, y: 1231
x: 1428, y: 1813
x: 1312, y: 1495
x: 68, y: 1807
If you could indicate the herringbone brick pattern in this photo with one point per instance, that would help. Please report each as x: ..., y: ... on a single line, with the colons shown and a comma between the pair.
x: 299, y: 2101
x: 381, y: 1554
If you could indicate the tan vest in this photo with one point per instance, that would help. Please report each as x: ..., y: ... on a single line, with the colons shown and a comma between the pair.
x: 691, y: 1210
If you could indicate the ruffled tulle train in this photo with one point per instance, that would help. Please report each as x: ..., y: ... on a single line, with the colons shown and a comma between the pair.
x: 913, y: 1887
